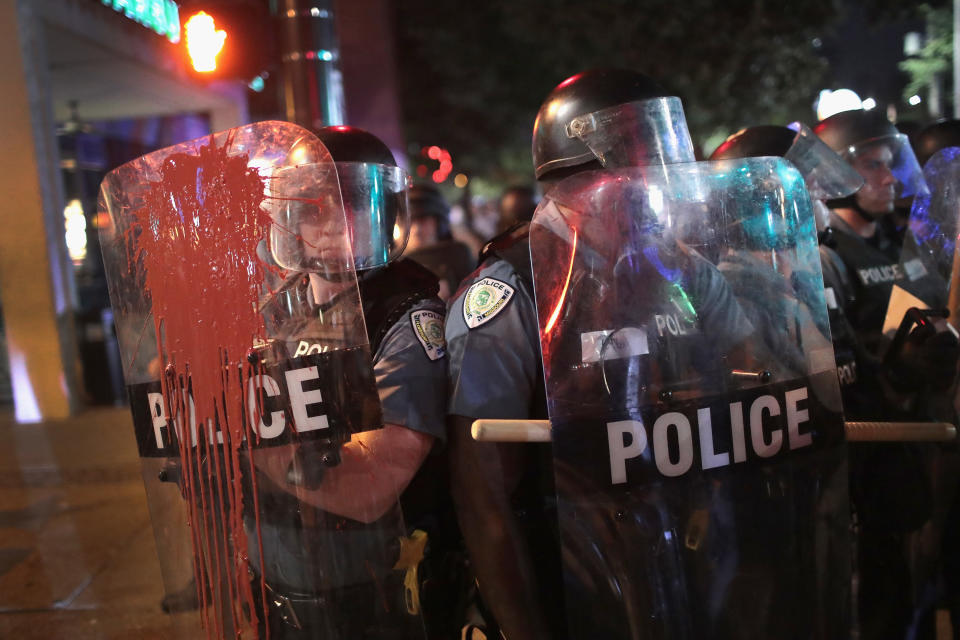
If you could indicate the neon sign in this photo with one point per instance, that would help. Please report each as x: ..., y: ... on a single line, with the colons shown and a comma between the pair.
x: 162, y: 16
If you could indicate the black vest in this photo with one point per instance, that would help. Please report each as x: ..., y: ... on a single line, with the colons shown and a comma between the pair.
x: 873, y: 268
x: 388, y: 293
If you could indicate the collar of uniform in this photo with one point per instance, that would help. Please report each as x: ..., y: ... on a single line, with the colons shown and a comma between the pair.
x: 839, y: 224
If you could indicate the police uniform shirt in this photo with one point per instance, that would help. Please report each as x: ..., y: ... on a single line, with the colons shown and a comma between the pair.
x: 411, y: 385
x: 411, y: 376
x: 494, y: 367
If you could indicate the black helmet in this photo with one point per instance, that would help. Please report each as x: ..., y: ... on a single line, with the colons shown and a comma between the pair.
x: 374, y: 191
x: 350, y: 144
x: 427, y: 201
x: 826, y: 174
x: 763, y: 140
x: 555, y: 147
x: 937, y: 136
x: 848, y: 131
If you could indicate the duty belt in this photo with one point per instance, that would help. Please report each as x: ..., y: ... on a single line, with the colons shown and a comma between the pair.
x: 412, y: 549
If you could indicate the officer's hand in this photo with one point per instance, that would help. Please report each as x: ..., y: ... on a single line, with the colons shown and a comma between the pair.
x: 928, y: 358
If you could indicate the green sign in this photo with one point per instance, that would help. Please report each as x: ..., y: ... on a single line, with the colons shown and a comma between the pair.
x: 163, y: 16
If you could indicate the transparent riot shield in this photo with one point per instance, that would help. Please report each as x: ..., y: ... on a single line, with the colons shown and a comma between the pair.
x: 251, y: 386
x: 929, y: 260
x: 698, y: 440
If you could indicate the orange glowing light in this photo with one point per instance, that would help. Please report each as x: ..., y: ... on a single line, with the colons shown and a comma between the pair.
x: 204, y: 41
x: 563, y: 294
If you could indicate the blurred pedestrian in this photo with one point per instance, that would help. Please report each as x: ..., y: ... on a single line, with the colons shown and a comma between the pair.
x: 431, y: 241
x: 517, y: 205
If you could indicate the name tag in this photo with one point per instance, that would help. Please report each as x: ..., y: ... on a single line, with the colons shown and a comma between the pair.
x: 915, y: 269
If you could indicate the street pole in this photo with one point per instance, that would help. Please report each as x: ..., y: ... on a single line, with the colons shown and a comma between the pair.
x: 309, y: 55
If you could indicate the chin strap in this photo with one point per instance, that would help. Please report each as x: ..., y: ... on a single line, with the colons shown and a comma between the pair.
x: 850, y: 202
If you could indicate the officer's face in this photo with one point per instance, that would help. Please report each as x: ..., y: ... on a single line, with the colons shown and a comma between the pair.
x: 877, y: 193
x: 324, y: 242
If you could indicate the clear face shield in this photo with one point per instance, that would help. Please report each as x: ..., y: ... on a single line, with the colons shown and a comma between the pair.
x: 374, y: 200
x: 878, y: 158
x: 636, y: 134
x: 827, y: 175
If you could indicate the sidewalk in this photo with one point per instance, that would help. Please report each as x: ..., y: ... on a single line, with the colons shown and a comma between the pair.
x: 77, y: 553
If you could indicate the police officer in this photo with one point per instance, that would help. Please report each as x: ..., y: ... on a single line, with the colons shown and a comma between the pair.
x: 872, y: 145
x: 502, y: 491
x: 352, y: 588
x: 889, y: 487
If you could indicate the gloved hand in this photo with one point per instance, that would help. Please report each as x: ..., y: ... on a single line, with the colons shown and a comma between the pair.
x: 928, y: 359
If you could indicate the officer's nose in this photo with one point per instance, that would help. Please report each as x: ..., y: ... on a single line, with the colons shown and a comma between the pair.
x: 888, y: 178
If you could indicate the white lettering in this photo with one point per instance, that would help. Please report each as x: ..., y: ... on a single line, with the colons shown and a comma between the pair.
x: 271, y: 389
x: 736, y: 428
x: 299, y: 399
x: 157, y: 410
x: 709, y: 458
x: 763, y: 448
x: 661, y: 324
x: 661, y: 449
x: 620, y: 451
x: 302, y: 348
x: 795, y: 417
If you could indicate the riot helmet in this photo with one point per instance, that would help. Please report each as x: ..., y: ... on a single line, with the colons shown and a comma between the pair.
x: 826, y: 174
x: 937, y: 136
x: 873, y: 146
x: 609, y: 118
x: 374, y: 194
x: 426, y: 201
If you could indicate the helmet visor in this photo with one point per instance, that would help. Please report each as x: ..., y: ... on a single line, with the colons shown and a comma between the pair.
x: 636, y: 134
x: 305, y: 237
x: 375, y: 201
x: 898, y: 159
x: 828, y: 176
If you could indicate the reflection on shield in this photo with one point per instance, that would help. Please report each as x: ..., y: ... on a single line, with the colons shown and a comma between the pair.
x: 697, y: 433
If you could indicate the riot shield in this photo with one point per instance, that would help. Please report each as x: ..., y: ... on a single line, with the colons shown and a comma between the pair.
x: 698, y: 440
x: 928, y: 261
x: 251, y: 386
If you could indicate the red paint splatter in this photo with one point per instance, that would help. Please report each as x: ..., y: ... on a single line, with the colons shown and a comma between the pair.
x: 196, y: 235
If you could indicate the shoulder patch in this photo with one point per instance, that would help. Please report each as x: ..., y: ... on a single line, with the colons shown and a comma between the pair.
x: 484, y: 300
x: 428, y: 327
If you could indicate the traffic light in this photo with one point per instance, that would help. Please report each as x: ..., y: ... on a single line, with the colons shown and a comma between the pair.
x: 227, y: 40
x: 204, y: 41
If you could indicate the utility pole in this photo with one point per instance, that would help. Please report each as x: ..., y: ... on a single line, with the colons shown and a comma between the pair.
x: 309, y: 55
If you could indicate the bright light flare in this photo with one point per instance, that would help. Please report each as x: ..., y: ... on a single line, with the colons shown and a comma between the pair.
x: 914, y: 100
x: 75, y: 228
x: 831, y: 102
x: 204, y: 41
x: 552, y: 321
